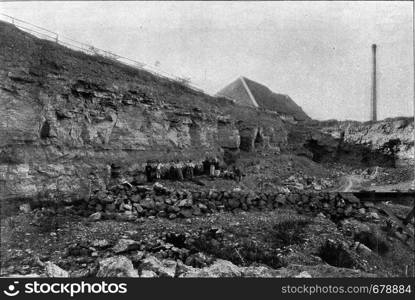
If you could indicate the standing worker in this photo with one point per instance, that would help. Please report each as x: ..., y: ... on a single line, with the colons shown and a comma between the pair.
x: 189, y: 170
x: 179, y: 170
x: 211, y: 168
x: 238, y: 174
x: 148, y: 171
x: 158, y: 170
x: 206, y: 166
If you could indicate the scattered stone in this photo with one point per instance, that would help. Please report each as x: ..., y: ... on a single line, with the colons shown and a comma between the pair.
x: 96, y: 216
x: 280, y: 199
x: 139, y: 255
x: 117, y: 266
x: 125, y: 245
x: 362, y: 249
x: 25, y: 207
x: 148, y: 203
x: 199, y: 260
x: 127, y: 207
x: 82, y: 273
x: 348, y: 211
x: 260, y: 272
x: 233, y: 203
x: 368, y: 204
x: 138, y: 208
x: 32, y: 275
x: 351, y: 198
x: 185, y: 203
x: 110, y: 207
x: 148, y: 274
x: 53, y: 270
x: 317, y: 187
x: 100, y: 243
x: 136, y: 198
x: 163, y: 268
x: 160, y: 189
x: 303, y: 274
x: 186, y: 213
x: 182, y: 269
x: 220, y: 268
x: 374, y: 215
x: 203, y: 207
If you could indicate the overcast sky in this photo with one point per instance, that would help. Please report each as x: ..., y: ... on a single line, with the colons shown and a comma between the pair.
x: 319, y: 53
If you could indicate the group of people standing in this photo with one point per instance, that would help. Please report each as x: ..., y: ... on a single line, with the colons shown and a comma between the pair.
x: 171, y: 170
x: 180, y: 171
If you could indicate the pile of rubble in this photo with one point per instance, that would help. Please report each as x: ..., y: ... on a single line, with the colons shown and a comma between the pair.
x: 129, y: 202
x: 151, y: 267
x: 304, y: 182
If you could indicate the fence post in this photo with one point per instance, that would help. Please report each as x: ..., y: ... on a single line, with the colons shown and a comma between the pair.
x: 57, y: 38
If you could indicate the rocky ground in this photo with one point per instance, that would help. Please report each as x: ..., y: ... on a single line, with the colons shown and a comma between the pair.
x: 263, y: 242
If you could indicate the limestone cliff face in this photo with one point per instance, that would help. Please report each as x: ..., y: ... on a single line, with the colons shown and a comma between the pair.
x: 390, y: 137
x: 66, y: 116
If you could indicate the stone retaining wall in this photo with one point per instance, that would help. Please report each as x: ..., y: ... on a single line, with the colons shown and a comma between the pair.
x: 146, y: 201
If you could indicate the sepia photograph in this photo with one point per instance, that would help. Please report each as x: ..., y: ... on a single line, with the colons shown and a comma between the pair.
x: 206, y: 139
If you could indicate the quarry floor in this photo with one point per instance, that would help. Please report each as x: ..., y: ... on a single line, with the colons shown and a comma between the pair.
x: 279, y: 238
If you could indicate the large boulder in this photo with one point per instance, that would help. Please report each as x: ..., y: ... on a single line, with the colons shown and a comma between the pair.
x: 52, y: 270
x: 260, y: 272
x: 117, y: 266
x: 163, y: 268
x: 220, y: 268
x: 125, y: 245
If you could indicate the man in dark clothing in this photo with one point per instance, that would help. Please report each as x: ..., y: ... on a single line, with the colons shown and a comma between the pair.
x: 172, y: 172
x: 238, y: 174
x: 206, y: 166
x: 198, y: 169
x: 148, y: 170
x: 216, y: 163
x: 191, y: 169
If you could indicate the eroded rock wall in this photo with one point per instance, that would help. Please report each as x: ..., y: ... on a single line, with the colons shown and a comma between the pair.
x: 66, y: 116
x: 393, y: 138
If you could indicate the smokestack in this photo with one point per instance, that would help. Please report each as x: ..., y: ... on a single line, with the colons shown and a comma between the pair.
x: 373, y: 103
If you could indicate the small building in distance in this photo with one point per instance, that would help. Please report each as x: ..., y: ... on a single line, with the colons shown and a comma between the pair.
x: 244, y: 91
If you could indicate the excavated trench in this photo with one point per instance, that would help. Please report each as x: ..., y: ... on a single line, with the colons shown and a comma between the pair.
x: 335, y: 254
x: 239, y: 247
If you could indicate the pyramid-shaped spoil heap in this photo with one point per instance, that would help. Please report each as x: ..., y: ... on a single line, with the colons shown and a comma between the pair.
x: 250, y: 93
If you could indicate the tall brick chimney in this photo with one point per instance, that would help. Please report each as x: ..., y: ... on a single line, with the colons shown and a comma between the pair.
x: 373, y: 102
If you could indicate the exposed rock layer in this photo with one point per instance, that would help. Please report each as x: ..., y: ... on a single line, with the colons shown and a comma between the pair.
x: 65, y: 114
x: 390, y: 137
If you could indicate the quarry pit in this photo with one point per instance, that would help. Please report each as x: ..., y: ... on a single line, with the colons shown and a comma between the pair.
x: 78, y: 131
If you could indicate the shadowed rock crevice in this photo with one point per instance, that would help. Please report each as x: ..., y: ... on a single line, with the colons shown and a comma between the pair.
x: 45, y: 130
